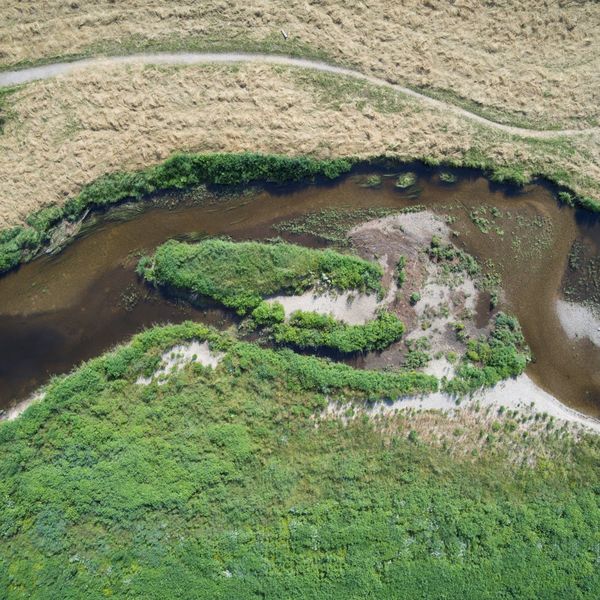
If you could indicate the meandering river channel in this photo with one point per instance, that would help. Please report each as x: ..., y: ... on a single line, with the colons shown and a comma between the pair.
x: 59, y: 310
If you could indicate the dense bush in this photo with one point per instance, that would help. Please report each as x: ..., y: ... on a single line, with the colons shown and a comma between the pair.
x: 226, y: 484
x: 488, y: 361
x: 240, y: 275
x: 267, y: 314
x: 313, y: 330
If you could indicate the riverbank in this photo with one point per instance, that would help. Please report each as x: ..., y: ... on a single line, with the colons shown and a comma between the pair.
x: 149, y: 112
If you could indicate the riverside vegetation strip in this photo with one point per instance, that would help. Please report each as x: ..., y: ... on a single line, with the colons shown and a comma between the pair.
x: 180, y: 171
x: 23, y: 242
x: 219, y: 484
x: 234, y: 108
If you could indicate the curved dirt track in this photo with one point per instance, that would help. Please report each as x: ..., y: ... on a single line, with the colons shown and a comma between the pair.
x: 8, y: 78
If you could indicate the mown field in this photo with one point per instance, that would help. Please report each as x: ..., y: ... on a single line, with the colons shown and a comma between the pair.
x: 219, y: 484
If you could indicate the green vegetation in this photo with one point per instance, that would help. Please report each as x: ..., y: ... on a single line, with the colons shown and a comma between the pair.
x: 416, y: 359
x: 240, y: 275
x: 372, y: 181
x: 401, y: 271
x: 406, y: 180
x: 504, y: 354
x: 220, y: 484
x: 452, y: 259
x: 313, y: 330
x: 333, y: 224
x: 178, y: 172
x: 414, y: 298
x: 447, y: 177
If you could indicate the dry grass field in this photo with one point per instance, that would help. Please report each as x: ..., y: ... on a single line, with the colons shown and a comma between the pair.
x: 64, y: 132
x: 535, y: 62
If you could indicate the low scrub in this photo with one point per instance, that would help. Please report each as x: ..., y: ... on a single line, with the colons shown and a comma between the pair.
x: 313, y: 330
x: 227, y: 483
x: 240, y: 275
x: 488, y: 361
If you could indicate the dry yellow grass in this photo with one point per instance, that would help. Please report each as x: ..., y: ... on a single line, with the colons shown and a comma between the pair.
x: 537, y: 60
x: 65, y: 132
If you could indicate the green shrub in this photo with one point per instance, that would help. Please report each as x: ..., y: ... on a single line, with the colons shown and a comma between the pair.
x: 313, y: 330
x: 414, y: 298
x: 416, y: 359
x: 240, y: 275
x: 488, y: 361
x: 268, y: 313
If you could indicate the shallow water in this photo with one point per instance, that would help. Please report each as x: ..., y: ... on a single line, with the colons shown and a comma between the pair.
x: 60, y: 310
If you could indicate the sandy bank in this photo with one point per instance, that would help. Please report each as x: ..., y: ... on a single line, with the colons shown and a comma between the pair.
x: 351, y: 307
x: 177, y: 357
x: 520, y: 394
x: 578, y: 321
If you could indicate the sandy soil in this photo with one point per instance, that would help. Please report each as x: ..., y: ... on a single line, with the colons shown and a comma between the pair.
x: 177, y: 357
x: 18, y: 409
x: 352, y: 308
x: 578, y: 321
x: 444, y: 300
x: 65, y: 132
x: 520, y: 394
x: 539, y: 59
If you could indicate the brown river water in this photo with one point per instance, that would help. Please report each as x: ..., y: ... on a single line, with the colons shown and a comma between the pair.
x: 60, y: 310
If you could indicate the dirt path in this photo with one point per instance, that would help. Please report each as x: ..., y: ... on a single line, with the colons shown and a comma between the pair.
x: 9, y: 78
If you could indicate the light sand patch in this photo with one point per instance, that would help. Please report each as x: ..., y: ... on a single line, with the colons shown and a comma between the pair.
x: 578, y: 321
x: 18, y: 409
x: 519, y: 393
x: 352, y: 308
x: 440, y: 367
x: 177, y: 357
x: 416, y: 229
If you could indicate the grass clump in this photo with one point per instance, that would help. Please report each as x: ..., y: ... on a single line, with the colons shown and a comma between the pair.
x: 488, y: 361
x: 451, y: 258
x: 313, y: 330
x: 240, y: 275
x: 332, y: 224
x: 401, y: 271
x: 406, y: 180
x: 448, y: 177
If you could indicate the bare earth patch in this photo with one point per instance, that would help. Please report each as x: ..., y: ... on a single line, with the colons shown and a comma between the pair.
x: 177, y: 357
x: 578, y: 321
